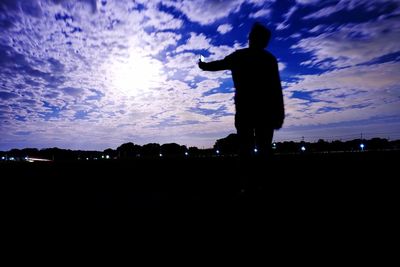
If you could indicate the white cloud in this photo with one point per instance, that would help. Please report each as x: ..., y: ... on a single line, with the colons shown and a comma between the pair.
x: 308, y: 2
x: 260, y: 2
x: 371, y: 78
x: 219, y: 98
x: 356, y: 93
x: 352, y: 44
x: 205, y: 11
x: 262, y: 13
x: 221, y: 51
x: 282, y: 26
x: 161, y: 20
x: 281, y: 65
x: 285, y: 24
x: 348, y: 5
x: 182, y: 61
x: 195, y: 42
x: 156, y: 42
x: 224, y: 28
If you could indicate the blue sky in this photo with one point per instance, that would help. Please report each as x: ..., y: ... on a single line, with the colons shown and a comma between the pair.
x: 94, y: 74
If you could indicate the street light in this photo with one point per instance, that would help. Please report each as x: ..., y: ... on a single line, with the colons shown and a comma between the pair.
x: 362, y: 146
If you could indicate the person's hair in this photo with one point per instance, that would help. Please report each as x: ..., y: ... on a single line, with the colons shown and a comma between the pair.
x: 259, y: 36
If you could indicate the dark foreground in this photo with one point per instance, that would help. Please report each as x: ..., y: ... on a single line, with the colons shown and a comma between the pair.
x: 332, y: 206
x: 286, y: 186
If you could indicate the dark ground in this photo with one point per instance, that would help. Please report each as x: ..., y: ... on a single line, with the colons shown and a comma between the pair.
x: 295, y: 184
x: 331, y: 206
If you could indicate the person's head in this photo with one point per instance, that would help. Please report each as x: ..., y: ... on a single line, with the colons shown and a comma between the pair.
x: 259, y: 36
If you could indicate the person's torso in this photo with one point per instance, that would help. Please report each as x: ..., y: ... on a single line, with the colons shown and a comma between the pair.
x: 254, y: 73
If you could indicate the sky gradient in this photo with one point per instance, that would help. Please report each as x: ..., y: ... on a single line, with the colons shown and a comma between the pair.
x: 94, y: 74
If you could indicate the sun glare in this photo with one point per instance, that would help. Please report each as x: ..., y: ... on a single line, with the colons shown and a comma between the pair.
x: 136, y: 74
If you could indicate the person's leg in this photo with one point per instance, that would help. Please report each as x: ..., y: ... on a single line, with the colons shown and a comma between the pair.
x: 246, y: 140
x: 263, y: 140
x: 246, y: 144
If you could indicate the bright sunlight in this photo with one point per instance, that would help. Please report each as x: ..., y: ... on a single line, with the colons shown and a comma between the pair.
x: 136, y: 74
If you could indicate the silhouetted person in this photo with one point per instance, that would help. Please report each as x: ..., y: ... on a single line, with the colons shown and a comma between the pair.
x: 258, y: 95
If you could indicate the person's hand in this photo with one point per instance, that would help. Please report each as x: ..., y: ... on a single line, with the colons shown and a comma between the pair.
x: 201, y: 64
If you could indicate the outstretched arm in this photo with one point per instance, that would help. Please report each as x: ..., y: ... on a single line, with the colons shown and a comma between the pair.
x: 215, y: 65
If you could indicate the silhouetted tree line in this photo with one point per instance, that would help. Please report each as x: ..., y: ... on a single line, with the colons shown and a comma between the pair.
x: 125, y: 151
x: 228, y: 146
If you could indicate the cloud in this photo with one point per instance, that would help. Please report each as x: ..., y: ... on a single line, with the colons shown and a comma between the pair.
x: 73, y: 91
x: 285, y: 24
x: 63, y: 60
x: 349, y: 5
x: 356, y: 93
x: 352, y: 44
x: 308, y: 2
x: 281, y: 65
x: 258, y: 3
x: 7, y: 95
x: 206, y: 11
x: 195, y: 42
x: 262, y: 13
x: 224, y: 28
x: 161, y: 20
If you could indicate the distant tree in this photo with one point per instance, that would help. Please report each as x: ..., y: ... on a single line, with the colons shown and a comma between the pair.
x: 30, y: 152
x: 377, y: 144
x: 394, y: 144
x: 110, y: 152
x: 194, y: 151
x: 321, y: 146
x: 288, y: 147
x: 228, y: 145
x: 128, y: 150
x: 173, y: 150
x: 151, y: 150
x: 58, y: 154
x: 15, y: 153
x: 337, y: 145
x: 353, y: 145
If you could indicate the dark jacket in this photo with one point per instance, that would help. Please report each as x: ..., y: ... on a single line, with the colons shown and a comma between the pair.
x: 258, y: 95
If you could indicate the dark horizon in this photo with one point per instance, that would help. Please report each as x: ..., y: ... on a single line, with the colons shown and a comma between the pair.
x: 224, y: 147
